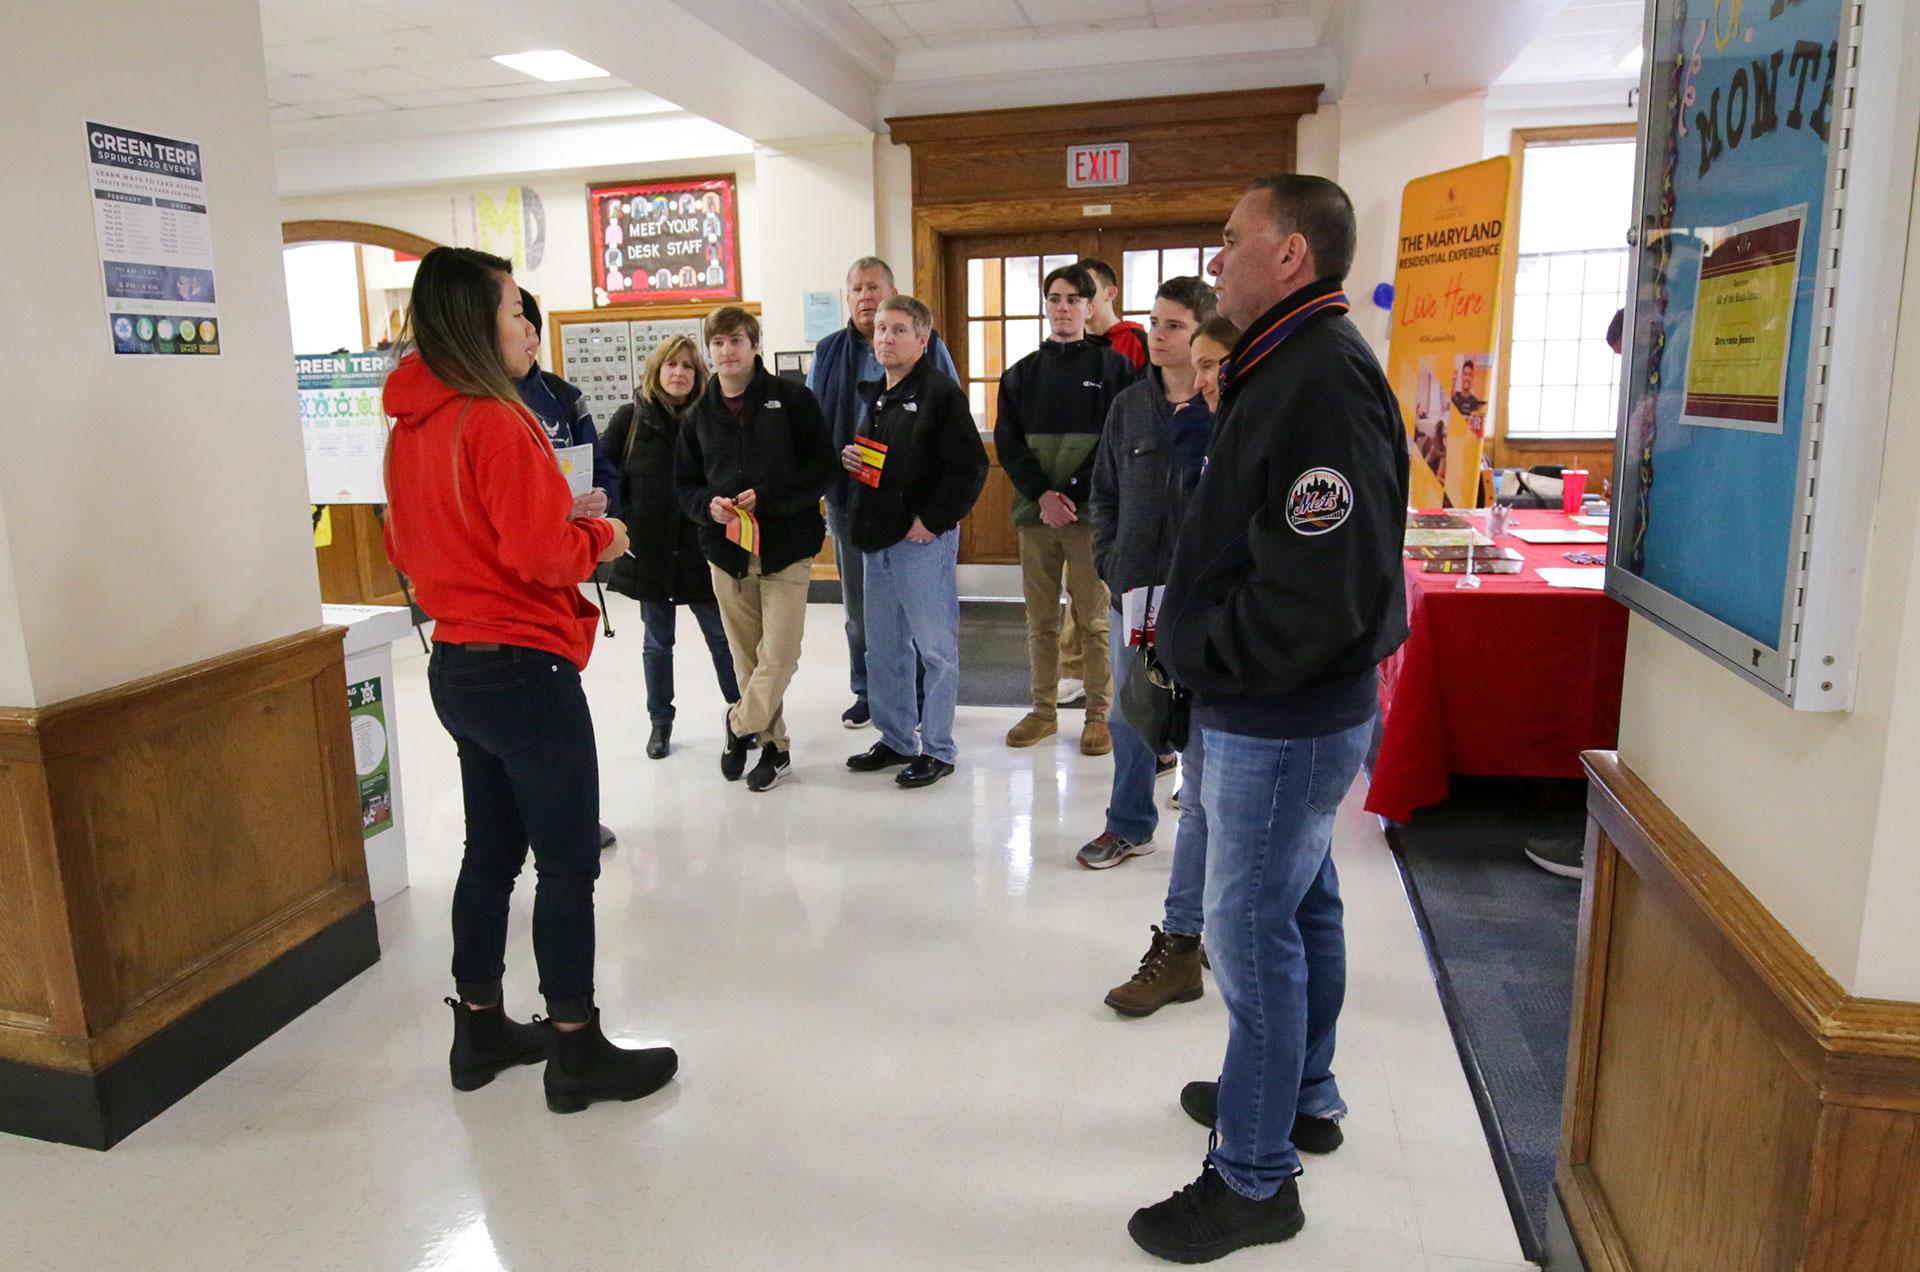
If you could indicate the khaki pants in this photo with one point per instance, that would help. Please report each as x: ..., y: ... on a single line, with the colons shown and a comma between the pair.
x: 1044, y: 553
x: 1072, y: 654
x: 765, y: 616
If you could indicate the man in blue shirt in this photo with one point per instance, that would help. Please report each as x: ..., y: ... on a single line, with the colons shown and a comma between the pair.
x: 841, y: 364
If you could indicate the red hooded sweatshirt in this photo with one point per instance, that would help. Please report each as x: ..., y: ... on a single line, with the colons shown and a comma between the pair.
x: 477, y: 518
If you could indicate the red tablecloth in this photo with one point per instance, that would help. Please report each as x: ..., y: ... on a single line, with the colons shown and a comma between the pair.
x: 1512, y: 679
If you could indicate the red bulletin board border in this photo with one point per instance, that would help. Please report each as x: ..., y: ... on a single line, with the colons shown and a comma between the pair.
x: 597, y: 194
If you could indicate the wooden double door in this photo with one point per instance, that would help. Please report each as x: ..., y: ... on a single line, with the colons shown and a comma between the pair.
x: 993, y: 317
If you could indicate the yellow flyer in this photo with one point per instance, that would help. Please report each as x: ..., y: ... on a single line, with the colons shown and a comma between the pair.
x: 1446, y: 287
x: 1742, y: 321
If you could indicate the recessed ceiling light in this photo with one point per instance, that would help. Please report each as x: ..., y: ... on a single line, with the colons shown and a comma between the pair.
x: 551, y: 65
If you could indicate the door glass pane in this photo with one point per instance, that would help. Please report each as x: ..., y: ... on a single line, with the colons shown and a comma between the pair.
x: 1179, y: 262
x: 1051, y: 263
x: 1023, y: 337
x: 1142, y: 272
x: 977, y: 285
x: 1023, y: 285
x: 977, y: 398
x: 977, y: 347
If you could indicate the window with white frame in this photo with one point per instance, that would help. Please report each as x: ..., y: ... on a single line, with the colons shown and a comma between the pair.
x: 1575, y: 205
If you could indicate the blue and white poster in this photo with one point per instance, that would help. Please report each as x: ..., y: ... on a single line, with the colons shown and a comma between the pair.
x: 1739, y: 136
x: 155, y: 237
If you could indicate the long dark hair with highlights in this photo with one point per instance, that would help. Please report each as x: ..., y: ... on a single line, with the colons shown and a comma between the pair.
x: 453, y: 324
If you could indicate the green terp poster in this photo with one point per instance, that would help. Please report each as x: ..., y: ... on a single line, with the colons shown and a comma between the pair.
x: 369, y: 716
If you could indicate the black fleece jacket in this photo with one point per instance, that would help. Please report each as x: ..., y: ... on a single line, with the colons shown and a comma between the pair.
x: 780, y: 448
x: 936, y: 465
x: 1286, y: 588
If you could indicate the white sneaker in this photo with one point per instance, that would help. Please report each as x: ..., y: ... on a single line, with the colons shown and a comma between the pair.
x: 1069, y: 691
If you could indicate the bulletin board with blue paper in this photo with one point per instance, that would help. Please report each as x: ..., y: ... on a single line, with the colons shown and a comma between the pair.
x: 1730, y: 317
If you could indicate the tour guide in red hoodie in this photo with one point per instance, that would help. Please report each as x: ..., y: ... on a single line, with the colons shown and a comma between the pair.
x: 494, y: 559
x: 482, y: 520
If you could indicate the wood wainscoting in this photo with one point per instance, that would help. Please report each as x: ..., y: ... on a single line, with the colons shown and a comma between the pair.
x: 1729, y: 1107
x: 181, y: 873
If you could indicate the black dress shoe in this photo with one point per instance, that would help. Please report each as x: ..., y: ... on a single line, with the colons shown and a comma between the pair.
x: 923, y: 771
x: 733, y: 755
x: 876, y: 757
x: 1208, y: 1219
x: 660, y: 741
x: 1201, y: 1100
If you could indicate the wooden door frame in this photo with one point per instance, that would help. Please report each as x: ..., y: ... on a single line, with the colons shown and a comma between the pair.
x: 1504, y: 448
x: 356, y: 232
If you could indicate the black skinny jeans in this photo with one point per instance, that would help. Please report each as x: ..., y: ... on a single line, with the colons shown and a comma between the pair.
x: 530, y: 775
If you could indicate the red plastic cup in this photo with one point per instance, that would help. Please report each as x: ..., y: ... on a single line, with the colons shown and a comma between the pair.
x: 1573, y: 489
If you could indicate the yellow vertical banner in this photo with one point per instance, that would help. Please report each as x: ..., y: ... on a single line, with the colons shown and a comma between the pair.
x: 1446, y: 320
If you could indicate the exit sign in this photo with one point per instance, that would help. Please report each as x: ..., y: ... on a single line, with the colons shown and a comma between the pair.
x: 1101, y: 165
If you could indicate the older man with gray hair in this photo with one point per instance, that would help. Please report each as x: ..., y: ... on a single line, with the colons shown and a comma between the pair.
x: 842, y: 362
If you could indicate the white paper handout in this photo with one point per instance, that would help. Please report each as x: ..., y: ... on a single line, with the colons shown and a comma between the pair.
x: 1140, y: 608
x: 1591, y: 578
x: 576, y: 463
x: 1558, y: 536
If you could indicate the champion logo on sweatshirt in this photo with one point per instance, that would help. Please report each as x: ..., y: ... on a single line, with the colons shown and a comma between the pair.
x: 773, y: 404
x: 1091, y: 384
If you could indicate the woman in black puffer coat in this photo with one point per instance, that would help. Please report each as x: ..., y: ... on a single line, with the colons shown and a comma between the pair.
x: 664, y: 568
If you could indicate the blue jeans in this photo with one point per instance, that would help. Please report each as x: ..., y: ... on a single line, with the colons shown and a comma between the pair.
x: 853, y: 596
x: 1275, y: 935
x: 1131, y: 812
x: 1187, y: 884
x: 529, y: 778
x: 658, y: 620
x: 913, y: 611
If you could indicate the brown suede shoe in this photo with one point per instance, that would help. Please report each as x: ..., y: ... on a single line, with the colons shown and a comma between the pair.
x: 1096, y: 738
x: 1031, y: 729
x: 1170, y: 973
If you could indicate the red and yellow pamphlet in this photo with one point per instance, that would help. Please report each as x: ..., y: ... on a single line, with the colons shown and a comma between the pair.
x: 873, y: 458
x: 744, y: 530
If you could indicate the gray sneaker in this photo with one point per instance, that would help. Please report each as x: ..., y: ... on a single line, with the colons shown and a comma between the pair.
x: 1110, y: 850
x: 1564, y: 857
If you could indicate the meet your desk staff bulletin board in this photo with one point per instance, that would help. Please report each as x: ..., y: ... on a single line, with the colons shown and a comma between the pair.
x: 1730, y: 318
x: 665, y: 241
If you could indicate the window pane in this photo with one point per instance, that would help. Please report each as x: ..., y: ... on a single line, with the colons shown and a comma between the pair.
x: 1562, y: 362
x: 1530, y: 317
x: 1527, y: 355
x: 977, y: 394
x: 1563, y: 316
x: 1050, y: 263
x: 1179, y: 262
x: 1566, y: 273
x: 1141, y: 270
x: 977, y: 348
x: 1598, y: 364
x: 1596, y: 311
x: 977, y: 285
x: 1603, y: 271
x: 1023, y: 337
x: 1531, y: 278
x: 1556, y: 410
x: 1023, y: 285
x: 1590, y: 410
x: 1523, y: 411
x: 1576, y: 196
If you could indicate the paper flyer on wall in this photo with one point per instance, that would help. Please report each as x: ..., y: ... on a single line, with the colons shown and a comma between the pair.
x: 1742, y: 317
x: 344, y: 426
x: 155, y: 240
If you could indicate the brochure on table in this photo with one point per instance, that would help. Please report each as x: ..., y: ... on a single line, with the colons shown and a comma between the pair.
x: 371, y: 631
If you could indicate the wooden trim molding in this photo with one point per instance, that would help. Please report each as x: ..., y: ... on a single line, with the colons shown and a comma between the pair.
x: 356, y: 232
x: 1026, y: 121
x: 163, y: 842
x: 1728, y: 1104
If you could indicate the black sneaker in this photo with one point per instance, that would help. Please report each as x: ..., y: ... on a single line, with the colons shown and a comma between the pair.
x: 876, y: 757
x: 1201, y: 1101
x: 733, y: 753
x: 773, y: 765
x: 856, y: 716
x: 1208, y: 1219
x: 607, y: 838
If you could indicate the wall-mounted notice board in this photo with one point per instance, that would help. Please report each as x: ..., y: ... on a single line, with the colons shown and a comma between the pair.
x: 664, y: 241
x: 1742, y: 462
x: 603, y: 352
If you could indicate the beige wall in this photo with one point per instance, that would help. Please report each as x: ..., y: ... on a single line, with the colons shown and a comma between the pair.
x: 820, y: 211
x: 1817, y: 814
x: 156, y: 508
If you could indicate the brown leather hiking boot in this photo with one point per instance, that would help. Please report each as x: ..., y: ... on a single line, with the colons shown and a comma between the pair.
x: 1031, y: 729
x: 1170, y: 973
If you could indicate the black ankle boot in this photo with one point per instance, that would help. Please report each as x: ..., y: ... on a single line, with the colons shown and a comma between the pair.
x: 582, y: 1066
x: 486, y: 1041
x: 661, y: 740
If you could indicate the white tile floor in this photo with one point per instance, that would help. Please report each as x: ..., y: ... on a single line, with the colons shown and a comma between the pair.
x: 893, y: 1050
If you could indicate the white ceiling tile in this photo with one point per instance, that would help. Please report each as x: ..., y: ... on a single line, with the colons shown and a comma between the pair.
x: 287, y: 114
x: 297, y: 90
x: 432, y: 97
x: 1057, y: 13
x: 891, y: 27
x: 947, y: 17
x: 533, y: 88
x: 973, y: 39
x: 421, y: 13
x: 1211, y: 14
x: 380, y: 81
x: 486, y: 38
x: 291, y: 21
x: 412, y: 47
x: 352, y: 106
x: 312, y: 57
x: 473, y: 72
x: 1140, y: 22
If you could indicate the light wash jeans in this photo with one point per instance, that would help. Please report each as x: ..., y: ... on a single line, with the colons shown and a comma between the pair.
x: 1276, y: 939
x: 913, y: 610
x: 1131, y: 812
x: 1187, y: 883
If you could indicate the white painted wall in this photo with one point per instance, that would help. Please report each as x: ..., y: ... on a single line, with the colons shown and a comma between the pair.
x: 893, y: 209
x: 16, y: 677
x: 1386, y: 142
x: 156, y: 508
x: 820, y: 217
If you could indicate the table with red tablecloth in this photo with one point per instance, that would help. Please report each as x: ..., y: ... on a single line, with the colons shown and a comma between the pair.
x: 1513, y: 678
